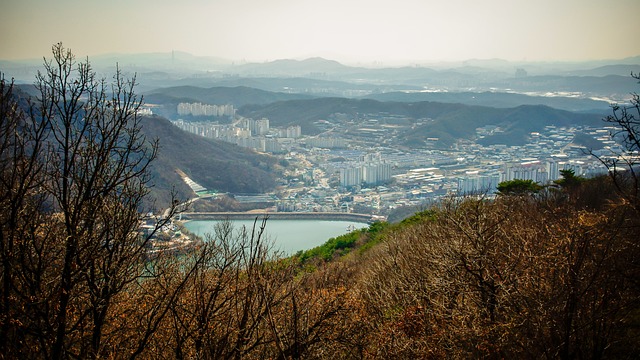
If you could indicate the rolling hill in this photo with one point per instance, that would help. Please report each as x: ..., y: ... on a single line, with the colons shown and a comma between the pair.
x: 449, y: 121
x: 214, y: 164
x: 496, y: 99
x: 238, y: 96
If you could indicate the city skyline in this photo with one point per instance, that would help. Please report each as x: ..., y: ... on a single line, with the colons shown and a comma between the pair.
x: 348, y: 31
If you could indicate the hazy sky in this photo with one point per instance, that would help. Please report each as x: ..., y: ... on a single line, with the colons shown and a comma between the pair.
x: 345, y: 30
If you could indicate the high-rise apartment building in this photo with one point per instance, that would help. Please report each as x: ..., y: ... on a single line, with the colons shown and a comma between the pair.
x: 369, y: 174
x: 478, y: 184
x: 199, y: 109
x: 350, y: 176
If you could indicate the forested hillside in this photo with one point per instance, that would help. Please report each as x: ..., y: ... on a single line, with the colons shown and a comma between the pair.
x: 547, y: 276
x: 217, y: 165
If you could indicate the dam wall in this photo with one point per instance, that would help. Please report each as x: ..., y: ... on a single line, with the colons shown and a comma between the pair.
x: 328, y: 216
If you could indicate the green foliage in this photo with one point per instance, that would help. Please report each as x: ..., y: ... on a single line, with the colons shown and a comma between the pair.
x: 419, y: 217
x: 343, y: 244
x: 511, y: 277
x: 518, y: 187
x: 375, y: 233
x: 569, y: 179
x: 363, y: 239
x: 327, y: 250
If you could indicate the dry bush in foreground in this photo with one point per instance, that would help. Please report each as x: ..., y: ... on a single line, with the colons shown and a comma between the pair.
x: 506, y: 278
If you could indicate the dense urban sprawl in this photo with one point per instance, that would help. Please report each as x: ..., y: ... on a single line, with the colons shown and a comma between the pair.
x: 357, y: 164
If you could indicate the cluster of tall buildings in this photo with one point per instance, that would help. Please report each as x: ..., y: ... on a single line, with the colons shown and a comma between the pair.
x: 258, y: 127
x: 368, y: 174
x: 291, y: 132
x: 250, y: 133
x: 212, y: 130
x: 541, y: 172
x: 475, y: 183
x: 199, y: 109
x: 371, y: 170
x: 261, y: 144
x: 326, y: 142
x: 529, y: 169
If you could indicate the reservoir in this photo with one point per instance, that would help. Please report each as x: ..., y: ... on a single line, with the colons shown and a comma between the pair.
x: 288, y: 236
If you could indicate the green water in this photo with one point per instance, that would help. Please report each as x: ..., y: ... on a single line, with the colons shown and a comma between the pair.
x: 288, y: 236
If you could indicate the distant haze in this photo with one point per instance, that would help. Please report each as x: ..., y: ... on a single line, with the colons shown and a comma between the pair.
x: 368, y: 31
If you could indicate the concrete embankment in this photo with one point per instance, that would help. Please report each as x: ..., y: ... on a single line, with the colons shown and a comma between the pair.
x: 329, y: 216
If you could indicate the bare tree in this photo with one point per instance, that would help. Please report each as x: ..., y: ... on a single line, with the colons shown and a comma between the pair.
x: 77, y: 278
x: 507, y: 278
x: 623, y: 164
x: 22, y: 246
x: 75, y: 170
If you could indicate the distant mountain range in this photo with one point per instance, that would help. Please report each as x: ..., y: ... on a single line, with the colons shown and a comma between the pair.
x: 355, y: 82
x: 607, y: 79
